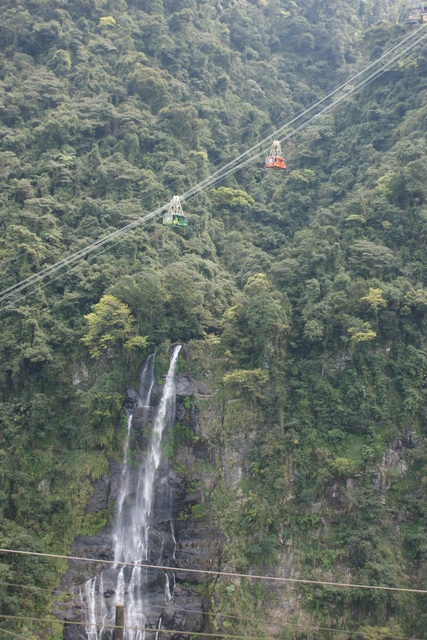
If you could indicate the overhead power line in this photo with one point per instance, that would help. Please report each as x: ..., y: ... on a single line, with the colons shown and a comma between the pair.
x: 172, y: 607
x: 197, y: 634
x: 352, y: 89
x: 279, y: 131
x: 12, y: 303
x: 232, y: 166
x: 15, y: 635
x: 227, y: 574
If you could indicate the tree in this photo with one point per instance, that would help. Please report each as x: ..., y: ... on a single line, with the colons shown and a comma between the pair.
x: 361, y: 333
x: 185, y: 307
x: 375, y: 300
x: 389, y: 632
x: 110, y: 327
x: 89, y: 145
x: 107, y: 21
x: 370, y: 258
x: 60, y: 62
x: 249, y: 383
x: 235, y: 199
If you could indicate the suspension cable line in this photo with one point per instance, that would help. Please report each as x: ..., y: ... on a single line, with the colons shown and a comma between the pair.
x: 270, y: 136
x: 77, y: 255
x: 222, y: 173
x: 13, y: 303
x: 277, y: 133
x: 15, y: 635
x: 189, y: 195
x: 219, y: 175
x: 212, y: 572
x: 170, y: 606
x: 198, y: 634
x: 332, y: 105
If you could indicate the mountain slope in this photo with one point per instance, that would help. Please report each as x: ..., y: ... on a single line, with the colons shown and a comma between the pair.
x: 305, y: 293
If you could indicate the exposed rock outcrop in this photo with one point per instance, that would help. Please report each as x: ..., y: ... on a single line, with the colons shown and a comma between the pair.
x: 189, y: 544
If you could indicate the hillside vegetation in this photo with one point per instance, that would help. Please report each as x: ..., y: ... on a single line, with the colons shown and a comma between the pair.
x: 302, y: 295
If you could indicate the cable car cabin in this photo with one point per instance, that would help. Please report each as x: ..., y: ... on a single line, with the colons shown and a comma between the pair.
x: 175, y: 216
x: 416, y: 13
x: 275, y: 162
x: 175, y: 220
x: 275, y: 159
x: 412, y: 17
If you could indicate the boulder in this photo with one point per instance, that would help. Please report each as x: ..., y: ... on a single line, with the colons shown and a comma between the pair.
x: 184, y: 388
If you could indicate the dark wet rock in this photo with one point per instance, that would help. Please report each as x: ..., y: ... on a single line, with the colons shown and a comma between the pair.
x: 184, y: 611
x: 184, y: 388
x: 101, y: 492
x: 115, y: 475
x: 180, y: 412
x: 141, y: 417
x: 67, y: 612
x: 378, y: 483
x: 176, y: 538
x: 409, y: 441
x: 97, y: 547
x: 201, y: 389
x: 145, y: 391
x: 71, y: 632
x: 133, y: 395
x: 156, y: 393
x: 333, y: 494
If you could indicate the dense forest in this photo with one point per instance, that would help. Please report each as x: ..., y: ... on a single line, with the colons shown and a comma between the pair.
x: 301, y: 297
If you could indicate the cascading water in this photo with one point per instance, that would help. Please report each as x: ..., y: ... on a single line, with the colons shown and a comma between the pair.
x: 91, y: 628
x: 121, y: 532
x: 131, y: 539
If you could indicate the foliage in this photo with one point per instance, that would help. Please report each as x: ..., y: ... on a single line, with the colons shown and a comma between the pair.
x: 303, y: 295
x: 107, y: 21
x: 180, y: 435
x: 111, y: 325
x: 93, y: 522
x: 251, y: 382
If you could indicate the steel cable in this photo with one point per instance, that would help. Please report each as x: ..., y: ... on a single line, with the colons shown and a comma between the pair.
x: 225, y: 171
x: 227, y: 574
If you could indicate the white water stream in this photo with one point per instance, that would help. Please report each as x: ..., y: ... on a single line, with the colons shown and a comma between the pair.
x: 131, y: 534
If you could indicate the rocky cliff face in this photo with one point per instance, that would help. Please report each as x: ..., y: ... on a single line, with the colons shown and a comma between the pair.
x: 179, y: 537
x: 210, y: 454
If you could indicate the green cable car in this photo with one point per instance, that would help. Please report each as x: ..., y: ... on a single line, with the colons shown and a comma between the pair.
x: 175, y: 216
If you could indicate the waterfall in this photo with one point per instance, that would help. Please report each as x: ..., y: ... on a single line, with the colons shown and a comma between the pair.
x: 174, y: 542
x: 131, y: 537
x: 158, y: 629
x: 168, y: 593
x: 146, y: 382
x: 121, y: 532
x: 91, y: 628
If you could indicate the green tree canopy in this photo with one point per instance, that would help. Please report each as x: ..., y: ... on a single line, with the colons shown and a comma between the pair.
x: 111, y: 326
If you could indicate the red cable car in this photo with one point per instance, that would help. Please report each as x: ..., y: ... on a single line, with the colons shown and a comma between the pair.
x: 275, y: 159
